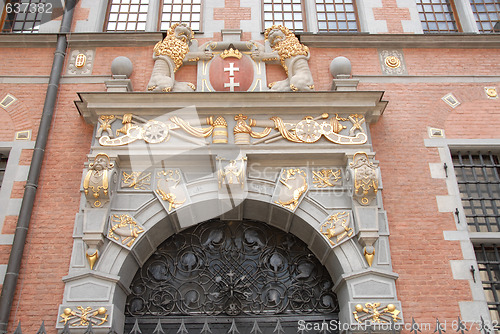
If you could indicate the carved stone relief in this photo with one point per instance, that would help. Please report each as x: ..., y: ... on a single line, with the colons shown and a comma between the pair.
x: 99, y: 180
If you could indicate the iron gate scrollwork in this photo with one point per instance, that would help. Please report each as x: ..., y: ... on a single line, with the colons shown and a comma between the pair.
x: 230, y: 269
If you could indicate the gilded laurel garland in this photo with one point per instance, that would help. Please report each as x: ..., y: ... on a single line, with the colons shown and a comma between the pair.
x: 231, y: 268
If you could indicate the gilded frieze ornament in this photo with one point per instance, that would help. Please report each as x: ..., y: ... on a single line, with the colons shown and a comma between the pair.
x: 170, y: 189
x: 136, y: 180
x: 309, y: 130
x: 105, y: 122
x: 326, y: 178
x: 124, y: 230
x: 155, y: 132
x: 293, y: 57
x: 232, y: 173
x: 365, y: 175
x: 97, y: 181
x: 336, y: 228
x: 243, y: 131
x: 491, y: 92
x: 81, y: 316
x: 291, y: 187
x: 375, y: 313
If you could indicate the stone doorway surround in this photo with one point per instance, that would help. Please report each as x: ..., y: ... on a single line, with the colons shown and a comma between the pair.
x: 102, y: 290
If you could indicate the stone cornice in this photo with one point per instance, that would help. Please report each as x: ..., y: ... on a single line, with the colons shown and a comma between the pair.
x: 360, y: 40
x: 367, y: 103
x: 427, y: 41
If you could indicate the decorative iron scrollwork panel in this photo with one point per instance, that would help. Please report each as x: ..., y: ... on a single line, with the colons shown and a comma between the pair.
x: 231, y: 268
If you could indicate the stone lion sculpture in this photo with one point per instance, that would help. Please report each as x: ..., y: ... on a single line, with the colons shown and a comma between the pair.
x: 169, y: 55
x: 292, y: 55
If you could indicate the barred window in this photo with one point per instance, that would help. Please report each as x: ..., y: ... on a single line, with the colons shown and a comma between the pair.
x: 3, y: 165
x: 479, y: 184
x: 184, y: 11
x: 487, y: 14
x: 437, y: 16
x: 23, y: 16
x: 488, y: 261
x: 127, y: 15
x: 336, y: 16
x: 289, y: 13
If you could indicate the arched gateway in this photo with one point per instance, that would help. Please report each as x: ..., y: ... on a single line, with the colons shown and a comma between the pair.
x: 202, y: 209
x: 219, y: 275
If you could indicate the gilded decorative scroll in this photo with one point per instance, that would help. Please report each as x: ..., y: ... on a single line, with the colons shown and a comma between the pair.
x: 310, y: 129
x: 169, y: 188
x: 233, y: 173
x: 326, y: 178
x: 154, y: 132
x: 125, y: 231
x: 365, y: 174
x: 96, y: 182
x: 375, y: 313
x: 136, y: 180
x: 81, y: 316
x: 292, y: 185
x: 336, y: 228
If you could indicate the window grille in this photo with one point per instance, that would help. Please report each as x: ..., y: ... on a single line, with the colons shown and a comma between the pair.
x: 336, y: 16
x: 223, y: 271
x: 479, y: 184
x: 437, y: 16
x: 127, y: 15
x: 487, y: 14
x: 3, y: 165
x: 289, y: 13
x: 184, y: 11
x: 23, y: 16
x: 488, y: 261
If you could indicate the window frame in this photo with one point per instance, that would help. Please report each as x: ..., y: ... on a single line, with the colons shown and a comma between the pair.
x: 3, y: 19
x: 160, y: 14
x: 303, y: 12
x: 480, y: 22
x: 356, y: 17
x: 106, y: 19
x: 454, y: 13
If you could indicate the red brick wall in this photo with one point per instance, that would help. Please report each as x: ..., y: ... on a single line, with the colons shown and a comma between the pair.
x: 420, y: 255
x: 50, y: 242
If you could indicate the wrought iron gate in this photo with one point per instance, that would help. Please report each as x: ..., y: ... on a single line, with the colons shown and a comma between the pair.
x: 227, y: 276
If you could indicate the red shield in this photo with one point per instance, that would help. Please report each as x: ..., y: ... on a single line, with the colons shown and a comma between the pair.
x: 231, y: 74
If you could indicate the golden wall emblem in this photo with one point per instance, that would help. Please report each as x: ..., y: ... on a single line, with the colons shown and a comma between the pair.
x: 365, y: 178
x: 336, y: 228
x: 136, y: 180
x: 169, y: 189
x: 233, y: 173
x: 376, y: 313
x: 125, y: 231
x: 96, y: 182
x: 326, y: 178
x: 292, y: 185
x: 84, y: 316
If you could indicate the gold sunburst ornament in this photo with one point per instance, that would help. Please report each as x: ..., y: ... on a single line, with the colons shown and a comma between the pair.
x: 392, y: 61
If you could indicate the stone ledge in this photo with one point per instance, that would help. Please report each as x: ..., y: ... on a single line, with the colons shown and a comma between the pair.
x: 397, y: 41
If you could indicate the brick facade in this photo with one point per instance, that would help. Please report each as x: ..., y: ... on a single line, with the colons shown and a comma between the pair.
x: 420, y: 254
